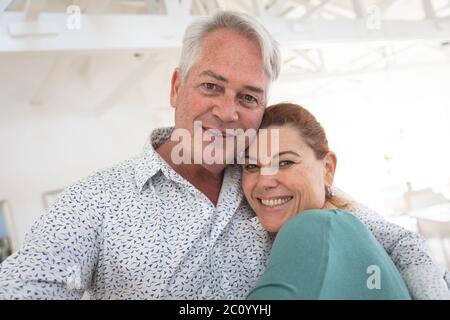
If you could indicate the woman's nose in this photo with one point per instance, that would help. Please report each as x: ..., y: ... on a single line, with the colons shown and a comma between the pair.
x: 267, y: 182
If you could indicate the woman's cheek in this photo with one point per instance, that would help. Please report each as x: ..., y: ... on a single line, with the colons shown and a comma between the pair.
x: 306, y: 198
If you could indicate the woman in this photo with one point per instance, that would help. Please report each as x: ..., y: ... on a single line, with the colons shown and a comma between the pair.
x: 321, y: 250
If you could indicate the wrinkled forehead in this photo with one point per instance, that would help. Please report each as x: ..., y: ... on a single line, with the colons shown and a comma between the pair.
x: 233, y: 55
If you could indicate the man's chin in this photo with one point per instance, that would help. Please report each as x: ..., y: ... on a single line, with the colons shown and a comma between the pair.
x: 214, y: 169
x: 223, y: 158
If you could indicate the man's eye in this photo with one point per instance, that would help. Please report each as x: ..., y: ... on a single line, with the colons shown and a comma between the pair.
x: 210, y: 86
x: 285, y: 163
x: 251, y: 167
x: 249, y: 100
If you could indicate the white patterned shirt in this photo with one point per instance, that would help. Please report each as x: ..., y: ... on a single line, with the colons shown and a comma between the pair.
x: 139, y: 230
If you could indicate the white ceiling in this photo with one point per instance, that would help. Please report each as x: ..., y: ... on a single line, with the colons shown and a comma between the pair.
x: 129, y: 47
x: 392, y: 9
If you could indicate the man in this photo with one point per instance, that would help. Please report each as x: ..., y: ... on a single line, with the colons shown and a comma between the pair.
x: 154, y: 228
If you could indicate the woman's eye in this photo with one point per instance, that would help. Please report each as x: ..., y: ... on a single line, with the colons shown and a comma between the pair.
x: 251, y: 167
x: 285, y: 163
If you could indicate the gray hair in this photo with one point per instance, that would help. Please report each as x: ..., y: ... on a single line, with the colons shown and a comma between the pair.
x: 239, y: 22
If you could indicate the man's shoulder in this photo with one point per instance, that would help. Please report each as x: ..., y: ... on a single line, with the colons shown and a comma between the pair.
x: 111, y: 178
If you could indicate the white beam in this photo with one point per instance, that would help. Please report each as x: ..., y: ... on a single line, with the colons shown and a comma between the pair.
x: 428, y: 9
x: 313, y: 33
x: 87, y: 70
x: 259, y: 8
x: 386, y: 4
x: 300, y: 77
x: 211, y: 6
x: 178, y: 8
x: 33, y: 9
x: 297, y: 8
x: 340, y: 11
x: 275, y: 8
x: 135, y: 3
x: 153, y: 6
x: 97, y: 6
x: 360, y: 8
x: 113, y: 32
x: 221, y: 4
x: 105, y: 32
x: 201, y: 7
x: 4, y: 4
x: 22, y: 29
x: 31, y: 25
x: 207, y: 7
x: 323, y: 66
x: 82, y: 4
x: 314, y: 9
x: 446, y: 6
x: 132, y: 79
x: 304, y: 54
x: 51, y: 81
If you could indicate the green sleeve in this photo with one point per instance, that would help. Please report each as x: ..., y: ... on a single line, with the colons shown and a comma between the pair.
x: 328, y: 254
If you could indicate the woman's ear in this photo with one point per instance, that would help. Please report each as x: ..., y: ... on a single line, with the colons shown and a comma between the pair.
x: 175, y: 87
x: 330, y: 162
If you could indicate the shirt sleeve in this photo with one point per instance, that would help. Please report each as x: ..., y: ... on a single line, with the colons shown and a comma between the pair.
x: 59, y: 255
x: 408, y: 251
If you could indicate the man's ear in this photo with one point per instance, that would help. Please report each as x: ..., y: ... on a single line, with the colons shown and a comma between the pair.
x: 330, y: 162
x: 175, y: 87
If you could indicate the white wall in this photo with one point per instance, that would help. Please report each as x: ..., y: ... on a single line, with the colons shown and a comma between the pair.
x: 43, y: 148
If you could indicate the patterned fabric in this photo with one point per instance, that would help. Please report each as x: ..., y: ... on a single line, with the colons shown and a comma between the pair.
x: 138, y: 230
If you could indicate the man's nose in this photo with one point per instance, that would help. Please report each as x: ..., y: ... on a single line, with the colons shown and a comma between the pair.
x: 226, y: 110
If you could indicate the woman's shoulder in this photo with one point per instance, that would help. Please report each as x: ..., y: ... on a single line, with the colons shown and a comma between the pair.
x: 327, y: 221
x: 321, y: 215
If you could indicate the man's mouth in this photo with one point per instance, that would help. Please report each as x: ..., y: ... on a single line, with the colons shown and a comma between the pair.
x: 275, y: 202
x: 227, y: 133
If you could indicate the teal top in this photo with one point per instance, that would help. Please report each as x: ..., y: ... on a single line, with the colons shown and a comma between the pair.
x: 328, y: 254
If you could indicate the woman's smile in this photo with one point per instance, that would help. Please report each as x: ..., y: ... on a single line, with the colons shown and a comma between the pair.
x: 275, y: 202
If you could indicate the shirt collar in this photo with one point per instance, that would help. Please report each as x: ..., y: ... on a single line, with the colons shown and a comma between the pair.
x: 150, y: 162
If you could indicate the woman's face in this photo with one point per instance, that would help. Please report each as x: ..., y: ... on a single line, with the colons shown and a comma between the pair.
x: 296, y: 182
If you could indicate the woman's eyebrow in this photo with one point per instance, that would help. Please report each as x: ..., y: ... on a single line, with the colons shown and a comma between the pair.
x: 287, y: 152
x: 247, y: 156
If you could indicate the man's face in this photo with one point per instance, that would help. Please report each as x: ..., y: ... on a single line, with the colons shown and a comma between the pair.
x: 225, y: 89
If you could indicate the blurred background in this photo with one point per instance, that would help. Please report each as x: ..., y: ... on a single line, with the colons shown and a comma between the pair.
x: 83, y: 83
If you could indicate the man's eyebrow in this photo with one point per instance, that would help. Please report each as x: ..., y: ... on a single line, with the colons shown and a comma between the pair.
x: 214, y: 75
x: 218, y: 77
x: 254, y: 89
